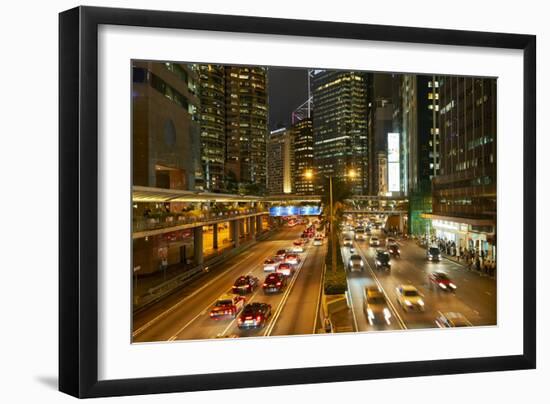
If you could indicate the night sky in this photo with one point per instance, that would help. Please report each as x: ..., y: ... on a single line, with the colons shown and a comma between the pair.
x: 287, y: 90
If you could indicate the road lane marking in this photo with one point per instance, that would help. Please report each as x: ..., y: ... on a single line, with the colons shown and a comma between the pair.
x: 253, y: 269
x: 375, y: 278
x: 274, y: 318
x: 352, y: 305
x: 488, y: 293
x: 319, y: 295
x: 168, y: 311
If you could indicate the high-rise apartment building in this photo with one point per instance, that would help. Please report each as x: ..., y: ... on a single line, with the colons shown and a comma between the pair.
x: 165, y: 126
x: 246, y: 126
x: 464, y: 191
x: 212, y: 124
x: 340, y: 126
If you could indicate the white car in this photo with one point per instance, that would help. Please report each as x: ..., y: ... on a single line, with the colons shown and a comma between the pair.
x: 317, y: 241
x: 296, y: 249
x: 409, y: 298
x: 374, y: 242
x: 271, y: 264
x: 348, y: 242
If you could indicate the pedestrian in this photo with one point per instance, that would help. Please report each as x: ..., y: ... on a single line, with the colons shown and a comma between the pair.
x: 478, y: 264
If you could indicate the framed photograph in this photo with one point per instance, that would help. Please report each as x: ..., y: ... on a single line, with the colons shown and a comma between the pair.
x: 251, y: 202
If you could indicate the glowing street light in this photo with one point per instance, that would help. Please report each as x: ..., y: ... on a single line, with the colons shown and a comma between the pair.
x: 308, y: 174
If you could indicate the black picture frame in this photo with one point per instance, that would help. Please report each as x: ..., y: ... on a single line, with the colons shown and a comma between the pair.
x: 78, y: 200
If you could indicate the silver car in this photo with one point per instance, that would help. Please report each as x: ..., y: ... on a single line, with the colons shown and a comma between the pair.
x: 356, y: 263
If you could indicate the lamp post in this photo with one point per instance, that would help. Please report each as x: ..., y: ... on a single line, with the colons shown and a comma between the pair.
x: 351, y: 174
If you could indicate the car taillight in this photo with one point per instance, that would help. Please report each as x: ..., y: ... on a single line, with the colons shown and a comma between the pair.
x: 265, y: 284
x: 247, y: 286
x: 278, y: 283
x: 240, y: 320
x: 259, y: 318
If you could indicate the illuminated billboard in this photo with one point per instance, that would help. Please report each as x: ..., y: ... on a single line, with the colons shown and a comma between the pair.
x: 295, y: 211
x: 393, y: 147
x: 394, y: 182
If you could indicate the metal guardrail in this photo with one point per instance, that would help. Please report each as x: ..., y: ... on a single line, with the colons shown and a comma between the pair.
x: 162, y: 290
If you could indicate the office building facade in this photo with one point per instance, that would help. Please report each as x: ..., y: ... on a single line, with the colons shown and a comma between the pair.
x: 302, y: 132
x: 280, y: 162
x: 464, y: 191
x: 165, y: 126
x: 340, y: 126
x: 212, y: 124
x: 246, y: 126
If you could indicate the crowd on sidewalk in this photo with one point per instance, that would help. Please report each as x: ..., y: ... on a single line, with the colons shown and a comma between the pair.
x: 473, y: 259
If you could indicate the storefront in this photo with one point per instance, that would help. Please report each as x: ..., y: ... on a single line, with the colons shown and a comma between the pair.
x: 466, y: 234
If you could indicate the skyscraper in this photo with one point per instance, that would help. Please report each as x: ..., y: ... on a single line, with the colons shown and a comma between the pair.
x: 420, y: 134
x: 246, y: 126
x: 212, y: 124
x: 165, y: 126
x: 340, y: 126
x: 379, y: 121
x: 464, y: 191
x: 280, y: 162
x: 302, y: 132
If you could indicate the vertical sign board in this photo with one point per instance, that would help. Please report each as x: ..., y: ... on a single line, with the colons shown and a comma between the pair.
x: 394, y: 183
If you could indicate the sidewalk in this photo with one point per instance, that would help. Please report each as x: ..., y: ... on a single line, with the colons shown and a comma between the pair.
x: 460, y: 262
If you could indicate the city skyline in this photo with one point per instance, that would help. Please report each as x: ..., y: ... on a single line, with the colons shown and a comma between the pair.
x: 326, y: 183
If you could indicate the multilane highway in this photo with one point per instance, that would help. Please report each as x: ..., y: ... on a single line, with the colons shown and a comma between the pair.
x: 475, y: 296
x: 185, y: 314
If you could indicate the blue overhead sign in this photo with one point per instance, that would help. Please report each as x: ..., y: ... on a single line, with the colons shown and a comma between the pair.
x: 295, y: 211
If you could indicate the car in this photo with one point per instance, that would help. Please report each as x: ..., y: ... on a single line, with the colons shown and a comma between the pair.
x: 245, y: 284
x: 375, y: 306
x: 374, y: 242
x: 433, y: 254
x: 348, y: 242
x: 271, y: 264
x: 295, y: 249
x: 274, y: 283
x: 394, y: 250
x: 409, y: 298
x: 285, y: 268
x: 227, y: 306
x: 281, y: 253
x: 382, y: 260
x: 254, y: 315
x: 360, y: 234
x: 292, y: 258
x: 442, y: 281
x: 356, y: 263
x: 451, y: 320
x: 318, y: 241
x: 298, y: 242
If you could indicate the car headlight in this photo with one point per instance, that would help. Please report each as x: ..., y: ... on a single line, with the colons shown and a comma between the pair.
x: 429, y: 255
x: 442, y: 286
x: 452, y: 285
x: 408, y: 303
x: 362, y: 263
x: 387, y: 313
x: 420, y: 302
x: 378, y: 262
x: 370, y: 313
x: 439, y: 256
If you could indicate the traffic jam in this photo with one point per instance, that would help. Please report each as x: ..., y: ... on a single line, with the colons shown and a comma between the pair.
x: 244, y: 302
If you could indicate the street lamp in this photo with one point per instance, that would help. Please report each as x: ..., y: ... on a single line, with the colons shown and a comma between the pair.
x: 351, y: 174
